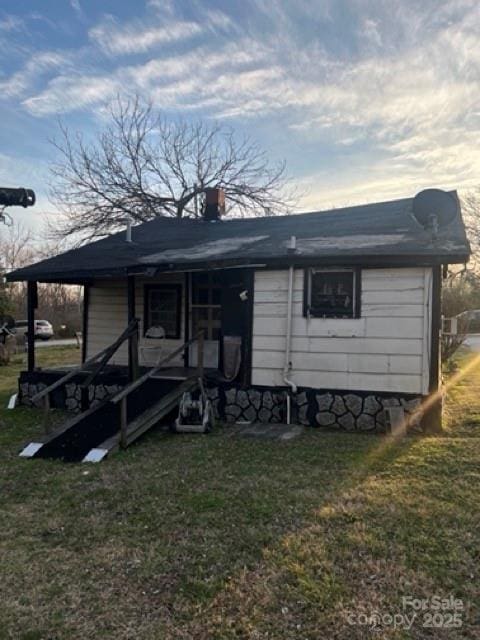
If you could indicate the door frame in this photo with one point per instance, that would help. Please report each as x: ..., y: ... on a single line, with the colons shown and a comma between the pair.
x: 247, y: 339
x: 191, y: 306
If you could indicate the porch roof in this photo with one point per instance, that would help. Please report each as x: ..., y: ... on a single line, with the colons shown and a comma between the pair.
x: 371, y: 234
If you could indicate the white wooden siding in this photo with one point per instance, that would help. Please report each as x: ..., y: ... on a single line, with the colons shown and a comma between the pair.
x: 107, y: 315
x: 386, y: 349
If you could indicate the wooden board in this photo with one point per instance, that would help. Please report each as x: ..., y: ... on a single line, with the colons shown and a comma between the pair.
x: 382, y: 350
x: 309, y: 344
x: 107, y: 312
x: 154, y: 414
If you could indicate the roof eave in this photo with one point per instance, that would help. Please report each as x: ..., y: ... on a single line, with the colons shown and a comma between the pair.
x: 367, y: 261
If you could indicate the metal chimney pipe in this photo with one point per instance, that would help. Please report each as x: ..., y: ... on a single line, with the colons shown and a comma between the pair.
x: 128, y: 229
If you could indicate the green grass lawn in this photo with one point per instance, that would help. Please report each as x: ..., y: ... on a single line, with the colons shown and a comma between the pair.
x: 218, y: 537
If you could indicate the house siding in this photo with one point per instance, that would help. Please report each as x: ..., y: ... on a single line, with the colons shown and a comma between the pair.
x: 107, y: 315
x: 385, y: 350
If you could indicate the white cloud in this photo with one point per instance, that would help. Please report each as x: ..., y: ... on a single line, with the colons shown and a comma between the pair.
x: 137, y: 37
x: 370, y: 32
x: 11, y: 23
x: 67, y: 92
x: 166, y: 7
x: 401, y: 100
x: 190, y: 80
x: 77, y: 8
x: 38, y: 64
x: 218, y: 20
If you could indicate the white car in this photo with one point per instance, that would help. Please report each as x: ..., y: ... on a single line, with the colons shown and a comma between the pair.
x: 43, y: 329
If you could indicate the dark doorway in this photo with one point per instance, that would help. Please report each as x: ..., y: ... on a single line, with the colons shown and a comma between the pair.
x: 237, y: 293
x: 221, y: 306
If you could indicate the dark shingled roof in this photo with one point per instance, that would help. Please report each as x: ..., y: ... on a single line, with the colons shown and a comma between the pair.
x: 372, y: 234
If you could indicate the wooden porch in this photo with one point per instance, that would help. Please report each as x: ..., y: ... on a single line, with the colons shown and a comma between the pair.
x: 219, y: 304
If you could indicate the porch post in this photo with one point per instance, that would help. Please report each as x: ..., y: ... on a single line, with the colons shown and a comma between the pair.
x: 32, y: 303
x: 86, y: 302
x: 247, y: 341
x: 186, y: 317
x: 133, y: 339
x: 432, y: 419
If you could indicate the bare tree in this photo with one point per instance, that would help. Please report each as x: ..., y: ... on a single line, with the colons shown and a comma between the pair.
x: 461, y: 290
x: 60, y: 304
x: 143, y: 165
x: 15, y: 251
x: 15, y: 246
x: 471, y: 218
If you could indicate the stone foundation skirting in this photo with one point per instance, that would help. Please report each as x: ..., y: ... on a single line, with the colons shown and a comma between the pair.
x: 71, y: 394
x: 330, y: 410
x: 325, y: 409
x: 354, y: 411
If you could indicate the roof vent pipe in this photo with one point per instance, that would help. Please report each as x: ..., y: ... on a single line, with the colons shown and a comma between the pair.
x: 214, y: 207
x: 128, y: 229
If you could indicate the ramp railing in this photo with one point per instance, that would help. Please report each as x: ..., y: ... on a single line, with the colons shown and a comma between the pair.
x: 101, y: 358
x: 123, y: 395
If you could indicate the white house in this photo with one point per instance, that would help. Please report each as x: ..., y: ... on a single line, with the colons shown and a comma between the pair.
x: 326, y: 318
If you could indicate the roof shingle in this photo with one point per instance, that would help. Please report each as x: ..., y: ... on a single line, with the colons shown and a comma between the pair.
x: 362, y: 234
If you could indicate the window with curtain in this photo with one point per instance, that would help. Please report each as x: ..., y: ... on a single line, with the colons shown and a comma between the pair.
x: 163, y: 308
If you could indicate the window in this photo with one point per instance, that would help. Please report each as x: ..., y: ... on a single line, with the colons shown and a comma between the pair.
x: 332, y: 293
x: 163, y: 308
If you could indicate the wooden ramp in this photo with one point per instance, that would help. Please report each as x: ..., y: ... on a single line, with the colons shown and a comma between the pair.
x: 76, y: 436
x: 90, y: 436
x: 120, y: 419
x: 142, y: 423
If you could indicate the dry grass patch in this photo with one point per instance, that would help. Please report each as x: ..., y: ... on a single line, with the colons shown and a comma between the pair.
x: 192, y: 537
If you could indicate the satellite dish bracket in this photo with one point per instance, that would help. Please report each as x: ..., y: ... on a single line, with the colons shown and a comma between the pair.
x: 434, y: 209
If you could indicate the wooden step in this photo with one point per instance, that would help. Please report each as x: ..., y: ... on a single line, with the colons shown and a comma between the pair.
x: 158, y: 411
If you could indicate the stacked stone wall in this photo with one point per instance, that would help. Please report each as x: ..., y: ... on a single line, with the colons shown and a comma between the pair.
x: 329, y: 410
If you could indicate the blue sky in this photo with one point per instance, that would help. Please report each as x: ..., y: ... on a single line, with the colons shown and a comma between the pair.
x: 366, y: 100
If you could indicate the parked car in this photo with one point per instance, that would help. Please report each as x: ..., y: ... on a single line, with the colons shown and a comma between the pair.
x: 43, y: 329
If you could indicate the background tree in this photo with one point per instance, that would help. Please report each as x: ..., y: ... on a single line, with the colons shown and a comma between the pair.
x: 144, y: 165
x: 4, y: 300
x: 461, y: 293
x: 471, y: 218
x: 59, y: 304
x: 14, y: 251
x: 461, y: 290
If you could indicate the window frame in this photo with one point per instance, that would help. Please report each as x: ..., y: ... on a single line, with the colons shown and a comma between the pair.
x: 357, y: 292
x: 211, y: 286
x: 177, y: 288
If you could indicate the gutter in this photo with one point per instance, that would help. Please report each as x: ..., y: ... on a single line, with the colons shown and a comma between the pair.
x: 288, y: 336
